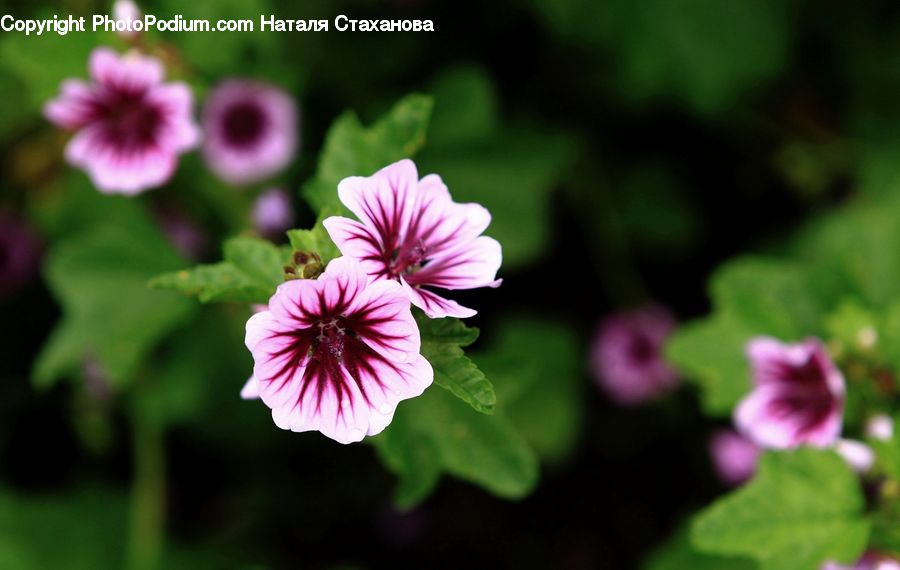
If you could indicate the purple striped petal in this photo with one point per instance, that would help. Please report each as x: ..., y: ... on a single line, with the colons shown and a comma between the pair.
x: 411, y: 231
x: 337, y: 354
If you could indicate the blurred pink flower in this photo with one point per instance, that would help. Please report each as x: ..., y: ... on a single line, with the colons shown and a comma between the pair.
x: 336, y: 354
x: 19, y: 251
x: 869, y: 561
x: 626, y: 355
x: 734, y: 456
x: 272, y: 212
x: 250, y: 131
x: 125, y: 11
x: 859, y: 456
x: 129, y: 126
x: 411, y: 231
x: 183, y: 233
x: 880, y: 427
x: 798, y: 397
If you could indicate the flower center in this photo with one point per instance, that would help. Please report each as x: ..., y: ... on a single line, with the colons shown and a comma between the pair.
x: 131, y: 122
x: 330, y: 337
x: 408, y: 258
x: 243, y: 124
x: 642, y: 350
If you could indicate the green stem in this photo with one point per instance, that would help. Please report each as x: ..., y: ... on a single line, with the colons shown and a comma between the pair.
x: 147, y: 523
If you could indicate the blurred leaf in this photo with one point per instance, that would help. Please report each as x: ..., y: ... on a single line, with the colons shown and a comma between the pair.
x: 438, y: 433
x: 100, y: 279
x: 465, y: 107
x: 535, y: 366
x: 770, y: 296
x: 803, y: 508
x: 316, y: 239
x: 251, y: 271
x: 513, y: 176
x: 354, y: 150
x: 856, y: 246
x: 442, y: 342
x: 679, y: 554
x: 82, y: 530
x: 850, y: 324
x: 42, y: 62
x: 655, y: 210
x: 710, y: 352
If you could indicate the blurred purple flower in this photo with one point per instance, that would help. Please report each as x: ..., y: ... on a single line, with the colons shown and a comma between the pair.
x: 411, y: 231
x: 734, y: 456
x: 129, y: 126
x: 798, y: 397
x: 272, y: 212
x: 336, y: 354
x: 250, y: 131
x: 19, y: 251
x: 186, y: 236
x: 626, y: 355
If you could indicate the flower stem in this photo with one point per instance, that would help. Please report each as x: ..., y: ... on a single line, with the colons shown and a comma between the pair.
x: 147, y: 523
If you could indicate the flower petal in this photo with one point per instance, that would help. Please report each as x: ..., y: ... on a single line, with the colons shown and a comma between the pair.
x: 75, y: 107
x: 476, y: 265
x: 130, y: 73
x: 384, y: 201
x: 355, y: 240
x: 382, y: 319
x: 434, y: 305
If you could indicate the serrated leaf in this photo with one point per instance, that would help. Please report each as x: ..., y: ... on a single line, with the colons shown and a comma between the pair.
x: 442, y: 342
x: 437, y: 433
x: 803, y: 508
x: 535, y: 366
x: 100, y: 279
x: 710, y: 353
x: 354, y: 150
x: 316, y: 239
x: 250, y: 273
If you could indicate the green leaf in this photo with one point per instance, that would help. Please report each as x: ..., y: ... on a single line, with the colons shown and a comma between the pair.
x: 770, y: 296
x: 466, y: 107
x: 316, y: 239
x: 250, y: 273
x: 442, y: 342
x: 42, y: 62
x: 679, y: 554
x: 354, y: 150
x: 536, y: 368
x: 803, y: 508
x: 100, y: 279
x: 513, y: 176
x: 710, y: 353
x: 437, y: 433
x: 81, y: 530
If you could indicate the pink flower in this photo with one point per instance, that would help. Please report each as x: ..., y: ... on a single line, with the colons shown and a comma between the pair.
x: 859, y: 456
x: 880, y: 427
x: 250, y: 131
x: 412, y: 232
x: 734, y: 456
x: 336, y: 354
x: 272, y: 213
x: 129, y: 126
x: 626, y: 355
x: 798, y: 396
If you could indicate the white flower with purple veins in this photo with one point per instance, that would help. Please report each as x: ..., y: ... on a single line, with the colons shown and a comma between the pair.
x: 250, y: 131
x: 626, y: 355
x: 412, y: 232
x: 336, y: 354
x: 798, y: 397
x: 130, y: 127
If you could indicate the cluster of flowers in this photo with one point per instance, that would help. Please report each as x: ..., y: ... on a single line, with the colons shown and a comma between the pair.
x: 337, y: 354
